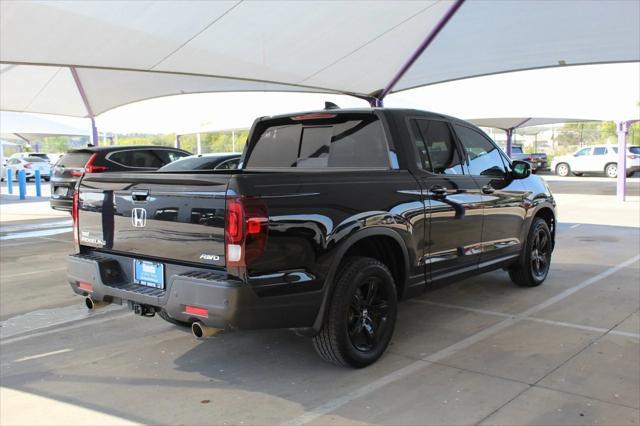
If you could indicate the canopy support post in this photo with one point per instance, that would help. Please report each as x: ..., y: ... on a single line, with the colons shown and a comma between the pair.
x: 87, y: 106
x: 177, y: 142
x: 509, y: 141
x: 416, y: 54
x: 94, y: 132
x: 622, y: 128
x: 198, y: 144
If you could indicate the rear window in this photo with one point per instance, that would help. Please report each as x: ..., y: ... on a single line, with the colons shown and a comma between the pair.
x: 74, y: 159
x: 43, y: 156
x: 35, y: 160
x: 634, y: 149
x: 333, y: 141
x: 197, y: 163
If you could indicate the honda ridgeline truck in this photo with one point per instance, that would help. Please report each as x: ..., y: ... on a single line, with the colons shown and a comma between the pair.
x: 332, y: 218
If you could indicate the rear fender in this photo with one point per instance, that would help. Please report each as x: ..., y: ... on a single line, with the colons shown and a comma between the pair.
x: 338, y: 258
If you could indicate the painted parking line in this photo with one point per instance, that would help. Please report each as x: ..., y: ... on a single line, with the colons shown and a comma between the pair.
x: 35, y: 226
x: 31, y: 234
x: 28, y: 358
x: 533, y: 319
x: 23, y: 274
x: 575, y: 226
x: 46, y: 318
x: 410, y: 369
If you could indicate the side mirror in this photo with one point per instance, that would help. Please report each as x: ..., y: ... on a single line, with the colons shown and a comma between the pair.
x: 521, y: 169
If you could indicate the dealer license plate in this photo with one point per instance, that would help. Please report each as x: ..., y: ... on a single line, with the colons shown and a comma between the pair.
x: 148, y: 273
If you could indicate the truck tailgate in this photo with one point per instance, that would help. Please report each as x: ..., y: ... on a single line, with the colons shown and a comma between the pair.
x: 155, y: 215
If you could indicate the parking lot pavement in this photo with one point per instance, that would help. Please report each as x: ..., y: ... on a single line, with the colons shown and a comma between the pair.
x: 480, y: 351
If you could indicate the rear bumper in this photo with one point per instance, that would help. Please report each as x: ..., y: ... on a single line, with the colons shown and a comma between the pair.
x: 60, y: 203
x: 230, y: 303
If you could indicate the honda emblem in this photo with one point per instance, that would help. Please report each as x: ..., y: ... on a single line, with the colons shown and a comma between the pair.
x: 139, y: 217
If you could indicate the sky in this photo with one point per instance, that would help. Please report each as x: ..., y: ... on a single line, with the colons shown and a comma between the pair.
x: 599, y: 92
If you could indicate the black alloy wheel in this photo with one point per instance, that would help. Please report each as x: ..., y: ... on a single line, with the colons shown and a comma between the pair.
x: 361, y: 314
x: 368, y: 314
x: 534, y: 262
x: 540, y: 254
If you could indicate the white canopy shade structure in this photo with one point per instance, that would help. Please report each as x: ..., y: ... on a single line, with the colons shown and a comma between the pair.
x: 27, y: 127
x: 19, y: 128
x: 103, y: 54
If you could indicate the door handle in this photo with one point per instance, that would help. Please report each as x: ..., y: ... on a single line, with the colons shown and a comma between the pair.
x: 438, y: 190
x: 488, y: 189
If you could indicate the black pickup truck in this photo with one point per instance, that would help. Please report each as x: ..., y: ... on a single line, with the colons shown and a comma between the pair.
x: 333, y: 217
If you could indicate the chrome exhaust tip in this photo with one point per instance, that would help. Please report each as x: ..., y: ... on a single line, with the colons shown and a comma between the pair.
x: 201, y: 331
x: 94, y: 304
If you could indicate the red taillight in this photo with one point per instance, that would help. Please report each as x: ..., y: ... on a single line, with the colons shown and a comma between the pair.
x: 27, y: 165
x: 530, y: 158
x: 74, y: 217
x: 90, y: 168
x: 246, y: 228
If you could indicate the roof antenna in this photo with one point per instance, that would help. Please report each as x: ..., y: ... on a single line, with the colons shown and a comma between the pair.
x: 330, y: 105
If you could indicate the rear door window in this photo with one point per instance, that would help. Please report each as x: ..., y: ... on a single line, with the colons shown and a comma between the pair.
x: 335, y: 141
x: 599, y: 150
x: 135, y: 158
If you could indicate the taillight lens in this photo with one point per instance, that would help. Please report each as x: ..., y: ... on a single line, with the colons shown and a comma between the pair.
x: 246, y: 229
x: 632, y: 156
x: 90, y: 168
x: 27, y: 165
x: 74, y: 216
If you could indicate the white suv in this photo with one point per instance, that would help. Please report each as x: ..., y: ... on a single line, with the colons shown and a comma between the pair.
x: 596, y: 159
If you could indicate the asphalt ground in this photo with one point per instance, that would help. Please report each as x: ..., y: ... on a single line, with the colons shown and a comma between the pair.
x: 480, y: 351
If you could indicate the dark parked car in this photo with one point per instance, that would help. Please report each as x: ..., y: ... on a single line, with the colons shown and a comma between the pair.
x: 78, y: 162
x: 537, y: 161
x: 333, y: 217
x: 203, y: 162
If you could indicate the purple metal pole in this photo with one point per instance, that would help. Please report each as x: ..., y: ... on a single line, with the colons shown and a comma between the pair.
x: 94, y: 132
x: 509, y: 141
x: 177, y: 141
x: 621, y: 187
x: 87, y: 105
x: 421, y: 48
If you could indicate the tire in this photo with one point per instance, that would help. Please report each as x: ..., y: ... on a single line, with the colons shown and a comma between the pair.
x: 629, y: 174
x: 47, y: 178
x: 563, y: 169
x: 535, y: 260
x: 165, y: 316
x: 611, y: 170
x: 364, y: 301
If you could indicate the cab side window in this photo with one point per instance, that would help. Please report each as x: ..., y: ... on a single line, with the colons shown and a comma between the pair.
x: 437, y: 152
x: 582, y: 152
x: 484, y: 156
